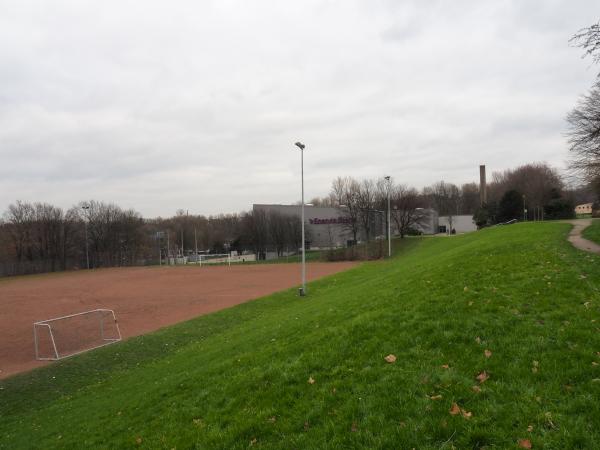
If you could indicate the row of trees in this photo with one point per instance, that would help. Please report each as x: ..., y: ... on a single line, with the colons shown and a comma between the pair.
x: 39, y: 237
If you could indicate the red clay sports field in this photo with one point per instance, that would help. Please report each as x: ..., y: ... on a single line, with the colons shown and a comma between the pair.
x: 143, y: 298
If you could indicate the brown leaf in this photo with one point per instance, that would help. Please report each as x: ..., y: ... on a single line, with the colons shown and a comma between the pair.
x: 306, y: 426
x: 455, y: 410
x: 466, y: 414
x: 354, y: 427
x: 311, y: 380
x: 476, y: 389
x: 478, y: 340
x: 435, y: 397
x: 138, y: 440
x: 445, y: 366
x: 524, y: 443
x: 482, y: 377
x: 530, y: 428
x: 487, y: 353
x: 253, y: 441
x: 390, y: 358
x: 272, y: 419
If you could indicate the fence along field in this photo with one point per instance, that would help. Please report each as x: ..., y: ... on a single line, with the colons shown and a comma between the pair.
x: 143, y: 299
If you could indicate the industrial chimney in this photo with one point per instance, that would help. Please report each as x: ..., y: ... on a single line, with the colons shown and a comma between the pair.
x: 482, y: 186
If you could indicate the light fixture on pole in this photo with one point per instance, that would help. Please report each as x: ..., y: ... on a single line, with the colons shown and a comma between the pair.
x: 301, y: 146
x: 86, y: 208
x: 389, y: 226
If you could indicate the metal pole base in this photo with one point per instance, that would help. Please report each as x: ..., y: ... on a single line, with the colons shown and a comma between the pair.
x: 301, y: 292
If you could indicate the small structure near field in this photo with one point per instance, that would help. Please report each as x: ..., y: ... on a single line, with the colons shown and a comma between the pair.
x: 585, y: 208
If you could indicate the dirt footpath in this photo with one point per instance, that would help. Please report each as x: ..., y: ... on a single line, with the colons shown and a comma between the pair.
x: 143, y: 298
x: 579, y: 241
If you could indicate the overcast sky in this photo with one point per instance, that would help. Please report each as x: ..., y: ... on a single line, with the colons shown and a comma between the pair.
x: 197, y: 104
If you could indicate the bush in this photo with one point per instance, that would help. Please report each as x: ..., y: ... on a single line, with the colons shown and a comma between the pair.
x: 559, y: 208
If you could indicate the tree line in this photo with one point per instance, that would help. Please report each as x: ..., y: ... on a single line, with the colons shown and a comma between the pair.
x: 40, y: 237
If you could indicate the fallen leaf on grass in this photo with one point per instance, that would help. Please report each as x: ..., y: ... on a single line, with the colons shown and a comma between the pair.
x: 311, y: 380
x: 530, y: 428
x: 435, y: 397
x: 354, y: 427
x: 487, y: 353
x: 390, y: 358
x: 594, y: 363
x: 476, y: 389
x: 455, y: 410
x: 524, y: 443
x: 306, y: 426
x: 478, y: 340
x: 138, y: 440
x: 445, y: 366
x: 272, y: 419
x: 482, y: 377
x: 253, y: 441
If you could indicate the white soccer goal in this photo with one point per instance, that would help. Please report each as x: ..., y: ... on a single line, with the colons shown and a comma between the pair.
x: 76, y: 333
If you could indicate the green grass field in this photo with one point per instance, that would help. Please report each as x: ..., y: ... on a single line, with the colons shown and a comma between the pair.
x: 300, y: 373
x: 593, y: 232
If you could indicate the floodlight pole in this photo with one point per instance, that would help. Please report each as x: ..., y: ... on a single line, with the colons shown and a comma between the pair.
x: 301, y: 146
x: 86, y: 207
x: 389, y: 226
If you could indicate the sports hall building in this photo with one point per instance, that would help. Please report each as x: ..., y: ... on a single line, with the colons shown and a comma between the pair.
x: 328, y: 227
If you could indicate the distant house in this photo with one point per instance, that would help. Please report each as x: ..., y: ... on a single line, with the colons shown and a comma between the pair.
x: 585, y: 208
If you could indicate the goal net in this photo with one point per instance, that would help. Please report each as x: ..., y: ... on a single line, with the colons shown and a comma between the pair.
x: 76, y: 333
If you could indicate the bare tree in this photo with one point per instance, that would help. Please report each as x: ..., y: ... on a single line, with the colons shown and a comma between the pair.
x: 406, y: 212
x: 584, y: 134
x: 584, y: 119
x: 445, y: 198
x: 345, y: 191
x: 365, y: 201
x: 589, y: 40
x: 469, y: 198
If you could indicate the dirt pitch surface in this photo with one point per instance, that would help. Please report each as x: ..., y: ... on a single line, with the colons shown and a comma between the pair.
x: 143, y: 298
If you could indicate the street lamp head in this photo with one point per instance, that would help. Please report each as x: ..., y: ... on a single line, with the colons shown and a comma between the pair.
x: 300, y: 145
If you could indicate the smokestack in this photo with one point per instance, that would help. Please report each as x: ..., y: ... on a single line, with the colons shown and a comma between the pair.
x: 482, y: 186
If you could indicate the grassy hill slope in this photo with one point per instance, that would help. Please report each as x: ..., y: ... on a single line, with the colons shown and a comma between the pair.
x: 593, y: 232
x: 242, y: 377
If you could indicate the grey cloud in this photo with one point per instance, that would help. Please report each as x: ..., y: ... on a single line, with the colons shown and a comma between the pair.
x: 196, y: 105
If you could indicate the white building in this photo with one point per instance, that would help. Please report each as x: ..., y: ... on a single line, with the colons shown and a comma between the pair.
x: 460, y: 224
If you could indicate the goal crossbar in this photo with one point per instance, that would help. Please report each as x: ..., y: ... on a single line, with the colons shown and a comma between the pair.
x: 48, y: 325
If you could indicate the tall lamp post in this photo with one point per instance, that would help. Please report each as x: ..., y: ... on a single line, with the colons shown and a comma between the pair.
x: 301, y: 146
x: 85, y: 208
x: 389, y: 226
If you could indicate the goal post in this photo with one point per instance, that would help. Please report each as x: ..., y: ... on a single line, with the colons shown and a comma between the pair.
x: 70, y: 335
